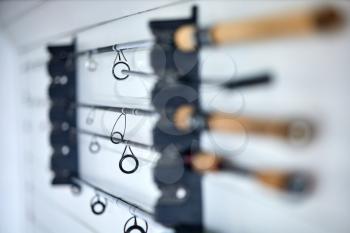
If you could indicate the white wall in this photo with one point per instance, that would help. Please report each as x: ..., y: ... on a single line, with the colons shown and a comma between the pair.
x: 311, y: 80
x: 11, y: 176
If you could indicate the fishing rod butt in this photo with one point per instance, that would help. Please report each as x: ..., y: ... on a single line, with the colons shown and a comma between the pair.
x: 296, y: 23
x: 288, y: 182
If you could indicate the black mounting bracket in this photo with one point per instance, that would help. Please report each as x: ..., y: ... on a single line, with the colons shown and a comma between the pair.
x: 62, y: 92
x: 180, y: 204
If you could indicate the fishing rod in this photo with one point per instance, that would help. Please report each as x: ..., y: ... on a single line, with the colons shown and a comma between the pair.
x: 187, y: 38
x: 241, y: 82
x: 60, y: 138
x: 296, y: 182
x: 98, y: 207
x: 298, y: 23
x: 115, y: 139
x: 125, y: 47
x: 187, y: 118
x: 124, y: 110
x: 55, y: 91
x: 61, y: 110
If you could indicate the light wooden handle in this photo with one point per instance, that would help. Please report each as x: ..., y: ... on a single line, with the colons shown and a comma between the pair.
x: 296, y: 131
x: 183, y: 116
x: 283, y: 24
x: 283, y: 181
x: 204, y: 162
x: 295, y: 23
x: 273, y: 179
x: 231, y: 124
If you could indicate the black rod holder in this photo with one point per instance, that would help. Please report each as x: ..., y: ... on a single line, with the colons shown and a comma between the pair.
x: 64, y: 159
x: 180, y: 203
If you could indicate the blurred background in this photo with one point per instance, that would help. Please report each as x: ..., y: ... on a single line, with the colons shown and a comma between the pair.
x: 310, y: 80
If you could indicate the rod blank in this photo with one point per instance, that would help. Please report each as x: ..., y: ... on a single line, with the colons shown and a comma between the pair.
x: 259, y: 79
x: 139, y: 73
x: 137, y: 210
x: 128, y: 46
x: 129, y: 111
x: 121, y: 141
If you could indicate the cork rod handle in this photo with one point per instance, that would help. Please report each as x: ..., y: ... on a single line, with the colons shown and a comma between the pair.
x: 231, y: 124
x: 299, y: 131
x: 283, y: 24
x: 294, y: 23
x: 283, y: 181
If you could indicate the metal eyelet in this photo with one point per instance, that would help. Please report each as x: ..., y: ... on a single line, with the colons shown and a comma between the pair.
x: 98, y: 206
x: 135, y: 226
